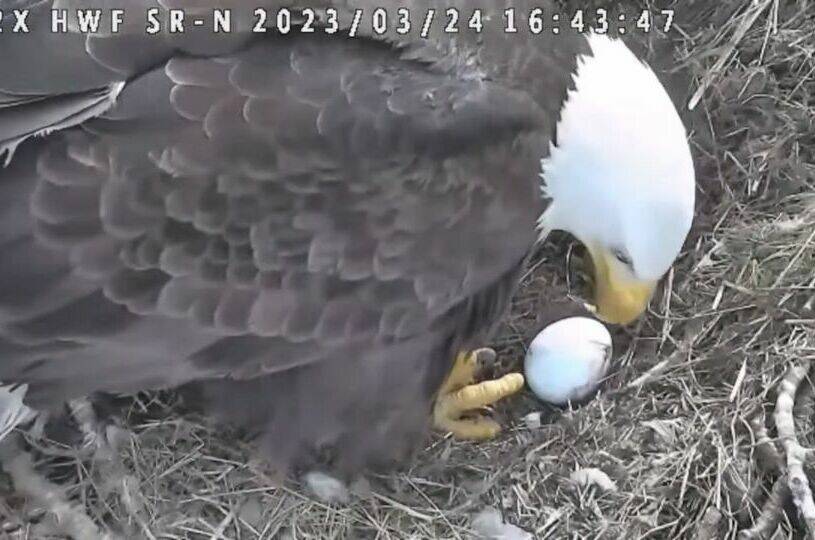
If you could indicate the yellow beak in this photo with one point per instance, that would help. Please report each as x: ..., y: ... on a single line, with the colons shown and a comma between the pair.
x: 620, y: 298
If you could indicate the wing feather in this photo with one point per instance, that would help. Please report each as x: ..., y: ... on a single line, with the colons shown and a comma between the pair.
x: 306, y: 205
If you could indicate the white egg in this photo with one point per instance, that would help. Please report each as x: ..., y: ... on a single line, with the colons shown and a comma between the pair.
x: 568, y: 359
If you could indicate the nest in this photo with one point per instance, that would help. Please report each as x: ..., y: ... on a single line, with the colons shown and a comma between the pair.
x: 701, y: 431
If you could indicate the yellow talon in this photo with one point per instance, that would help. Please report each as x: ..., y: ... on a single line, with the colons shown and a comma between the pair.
x: 460, y: 394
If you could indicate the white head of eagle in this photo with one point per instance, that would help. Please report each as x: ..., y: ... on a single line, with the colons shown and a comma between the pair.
x: 621, y: 178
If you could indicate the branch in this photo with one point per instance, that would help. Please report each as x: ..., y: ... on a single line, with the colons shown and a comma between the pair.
x: 767, y: 522
x: 796, y: 455
x: 68, y: 518
x: 767, y: 455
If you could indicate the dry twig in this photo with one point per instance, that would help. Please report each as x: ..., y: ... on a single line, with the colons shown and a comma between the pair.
x: 767, y: 522
x: 796, y: 454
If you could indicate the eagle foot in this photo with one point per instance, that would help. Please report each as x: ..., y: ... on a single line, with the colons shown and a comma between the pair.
x: 460, y: 397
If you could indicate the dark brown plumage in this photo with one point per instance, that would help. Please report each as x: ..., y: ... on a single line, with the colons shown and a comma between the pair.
x: 301, y: 230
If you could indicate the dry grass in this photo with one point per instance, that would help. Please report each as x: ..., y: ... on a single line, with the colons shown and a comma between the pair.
x: 690, y: 445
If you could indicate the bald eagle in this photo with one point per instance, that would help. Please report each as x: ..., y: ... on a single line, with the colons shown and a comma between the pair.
x: 310, y: 233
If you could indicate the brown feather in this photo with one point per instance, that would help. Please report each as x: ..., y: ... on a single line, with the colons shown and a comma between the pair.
x: 299, y: 230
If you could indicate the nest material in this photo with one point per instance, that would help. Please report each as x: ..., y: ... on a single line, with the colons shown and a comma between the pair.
x: 687, y: 446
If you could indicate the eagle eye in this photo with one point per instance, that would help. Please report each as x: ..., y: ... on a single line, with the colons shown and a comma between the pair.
x: 621, y: 256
